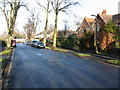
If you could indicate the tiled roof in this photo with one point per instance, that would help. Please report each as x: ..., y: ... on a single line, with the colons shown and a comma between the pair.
x: 89, y: 20
x: 105, y: 18
x: 116, y: 18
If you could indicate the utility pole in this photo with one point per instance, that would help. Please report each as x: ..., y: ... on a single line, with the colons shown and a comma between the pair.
x: 95, y: 37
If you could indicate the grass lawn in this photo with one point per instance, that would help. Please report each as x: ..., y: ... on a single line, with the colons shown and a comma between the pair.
x: 0, y: 64
x: 48, y: 47
x: 57, y: 49
x: 3, y: 61
x: 0, y: 59
x: 81, y: 54
x: 5, y: 52
x: 114, y: 61
x: 60, y: 50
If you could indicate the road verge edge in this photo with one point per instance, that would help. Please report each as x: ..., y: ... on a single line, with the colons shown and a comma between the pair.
x: 8, y: 72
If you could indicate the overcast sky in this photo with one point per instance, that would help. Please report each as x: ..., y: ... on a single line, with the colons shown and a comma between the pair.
x: 87, y: 8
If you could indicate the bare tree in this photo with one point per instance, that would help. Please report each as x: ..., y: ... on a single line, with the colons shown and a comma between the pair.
x: 66, y: 26
x: 77, y: 20
x: 10, y: 10
x: 60, y: 5
x: 19, y: 34
x: 28, y: 29
x: 46, y: 8
x: 51, y: 27
x: 34, y: 19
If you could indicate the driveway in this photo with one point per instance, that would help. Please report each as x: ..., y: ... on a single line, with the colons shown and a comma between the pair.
x: 43, y: 68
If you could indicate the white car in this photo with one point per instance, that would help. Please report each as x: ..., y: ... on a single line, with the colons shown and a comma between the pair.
x: 39, y: 45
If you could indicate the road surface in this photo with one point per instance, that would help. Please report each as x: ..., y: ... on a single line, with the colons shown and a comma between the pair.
x: 43, y: 68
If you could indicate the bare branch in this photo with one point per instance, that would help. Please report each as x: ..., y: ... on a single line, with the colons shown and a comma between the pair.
x: 37, y: 21
x: 65, y: 7
x: 8, y: 1
x: 23, y: 6
x: 53, y: 5
x: 41, y: 5
x: 59, y: 3
x: 6, y: 17
x: 50, y: 11
x: 65, y: 12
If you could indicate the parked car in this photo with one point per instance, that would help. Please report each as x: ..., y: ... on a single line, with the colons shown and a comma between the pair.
x: 33, y: 43
x: 27, y: 43
x: 13, y: 43
x: 39, y: 45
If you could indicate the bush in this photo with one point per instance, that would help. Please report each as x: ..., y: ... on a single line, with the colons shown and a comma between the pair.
x: 75, y: 43
x: 68, y: 43
x: 87, y: 43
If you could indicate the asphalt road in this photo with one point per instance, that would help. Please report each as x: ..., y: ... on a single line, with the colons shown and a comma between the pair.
x: 43, y: 68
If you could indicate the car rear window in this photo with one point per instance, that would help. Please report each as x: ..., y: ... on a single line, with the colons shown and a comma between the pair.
x: 39, y: 43
x: 34, y: 41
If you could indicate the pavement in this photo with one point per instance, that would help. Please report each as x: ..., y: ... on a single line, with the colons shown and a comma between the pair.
x: 95, y: 57
x: 44, y: 68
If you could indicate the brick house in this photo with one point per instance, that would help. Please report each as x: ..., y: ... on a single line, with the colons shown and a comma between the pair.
x: 104, y: 39
x: 116, y: 20
x: 102, y: 19
x: 86, y: 25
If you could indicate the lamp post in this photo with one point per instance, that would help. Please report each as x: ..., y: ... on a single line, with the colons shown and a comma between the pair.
x: 118, y: 33
x: 95, y: 36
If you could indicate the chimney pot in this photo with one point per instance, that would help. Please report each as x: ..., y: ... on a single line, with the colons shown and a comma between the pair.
x: 104, y: 12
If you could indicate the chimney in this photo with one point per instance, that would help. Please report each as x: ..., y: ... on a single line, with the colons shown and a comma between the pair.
x: 104, y: 12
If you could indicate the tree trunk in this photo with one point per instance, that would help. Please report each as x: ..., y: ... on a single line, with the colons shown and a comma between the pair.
x: 13, y: 15
x: 55, y: 30
x: 9, y: 40
x: 34, y: 33
x: 46, y: 24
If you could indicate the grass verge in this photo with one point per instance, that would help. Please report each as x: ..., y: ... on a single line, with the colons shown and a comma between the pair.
x: 0, y: 64
x: 60, y: 50
x: 47, y: 47
x: 57, y: 49
x: 5, y: 52
x: 4, y: 60
x: 113, y: 61
x: 81, y: 54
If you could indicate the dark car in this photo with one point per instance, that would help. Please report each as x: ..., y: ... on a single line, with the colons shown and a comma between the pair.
x: 13, y: 43
x: 39, y: 45
x: 33, y: 43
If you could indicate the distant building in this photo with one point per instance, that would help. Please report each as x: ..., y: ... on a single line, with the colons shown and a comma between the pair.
x: 41, y: 34
x: 20, y: 40
x: 67, y: 33
x: 116, y: 19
